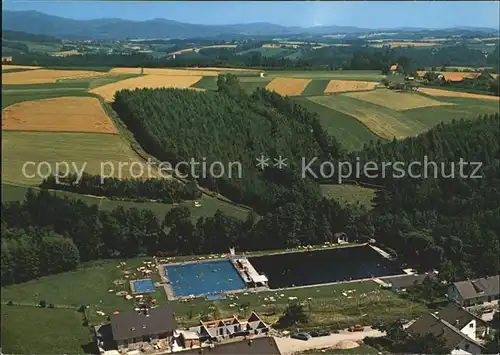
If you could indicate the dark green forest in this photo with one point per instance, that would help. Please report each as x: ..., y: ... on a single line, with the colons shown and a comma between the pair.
x: 230, y: 127
x: 450, y: 224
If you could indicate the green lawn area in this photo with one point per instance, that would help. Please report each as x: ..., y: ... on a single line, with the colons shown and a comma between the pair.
x: 316, y: 87
x: 30, y: 330
x: 351, y: 133
x: 366, y: 302
x: 209, y: 205
x: 349, y: 194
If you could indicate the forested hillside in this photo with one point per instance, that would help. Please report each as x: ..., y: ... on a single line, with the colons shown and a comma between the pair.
x: 230, y: 126
x: 450, y: 221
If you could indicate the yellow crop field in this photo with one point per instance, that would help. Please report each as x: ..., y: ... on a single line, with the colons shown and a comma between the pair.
x: 62, y: 114
x: 46, y: 76
x: 336, y: 86
x: 107, y: 92
x: 12, y: 66
x: 450, y: 93
x: 165, y: 71
x: 398, y: 101
x: 288, y: 86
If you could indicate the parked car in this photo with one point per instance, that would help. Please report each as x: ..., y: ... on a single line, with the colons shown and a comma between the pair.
x: 356, y: 328
x: 319, y: 333
x: 301, y: 336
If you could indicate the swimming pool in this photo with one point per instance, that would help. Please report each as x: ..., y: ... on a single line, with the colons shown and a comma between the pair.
x: 144, y: 286
x: 205, y: 277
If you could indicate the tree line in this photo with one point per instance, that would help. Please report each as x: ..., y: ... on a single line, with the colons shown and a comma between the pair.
x: 46, y: 234
x: 166, y: 190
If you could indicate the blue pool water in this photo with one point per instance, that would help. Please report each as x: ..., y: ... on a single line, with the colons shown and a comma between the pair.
x: 204, y: 278
x: 144, y: 286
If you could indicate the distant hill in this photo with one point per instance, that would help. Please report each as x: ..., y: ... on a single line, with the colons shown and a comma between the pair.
x: 113, y: 28
x: 23, y: 36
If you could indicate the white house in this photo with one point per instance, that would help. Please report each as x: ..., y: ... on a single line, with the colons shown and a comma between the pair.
x: 459, y: 328
x: 222, y: 329
x: 473, y: 292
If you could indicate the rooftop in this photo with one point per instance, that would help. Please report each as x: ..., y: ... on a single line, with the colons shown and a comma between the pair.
x: 257, y: 346
x: 485, y: 286
x: 134, y: 324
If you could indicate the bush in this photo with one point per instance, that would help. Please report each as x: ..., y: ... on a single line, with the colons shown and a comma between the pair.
x: 10, y: 303
x: 42, y: 304
x: 51, y: 305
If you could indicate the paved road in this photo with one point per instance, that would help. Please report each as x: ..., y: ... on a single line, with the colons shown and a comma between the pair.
x: 288, y: 345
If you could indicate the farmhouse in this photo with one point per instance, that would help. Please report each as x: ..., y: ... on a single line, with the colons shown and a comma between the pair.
x: 473, y: 292
x: 454, y: 325
x: 132, y: 329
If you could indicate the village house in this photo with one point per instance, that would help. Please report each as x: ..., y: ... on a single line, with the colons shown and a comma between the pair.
x: 474, y: 292
x: 131, y: 330
x: 460, y: 330
x: 258, y: 346
x: 222, y: 329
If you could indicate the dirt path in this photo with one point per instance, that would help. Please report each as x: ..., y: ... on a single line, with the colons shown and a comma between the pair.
x: 289, y: 346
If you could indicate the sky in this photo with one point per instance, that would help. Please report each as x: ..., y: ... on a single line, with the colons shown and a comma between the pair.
x: 368, y: 14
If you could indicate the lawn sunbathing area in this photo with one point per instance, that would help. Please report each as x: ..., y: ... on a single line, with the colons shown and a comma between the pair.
x: 334, y: 306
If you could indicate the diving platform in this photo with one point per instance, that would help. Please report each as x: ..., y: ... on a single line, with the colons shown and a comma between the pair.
x: 248, y: 273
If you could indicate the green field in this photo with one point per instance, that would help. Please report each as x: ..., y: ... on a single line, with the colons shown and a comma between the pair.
x: 29, y: 330
x: 247, y: 83
x: 12, y: 94
x: 463, y: 108
x: 328, y: 308
x: 349, y: 194
x: 209, y: 205
x: 51, y: 147
x: 382, y: 121
x: 206, y: 83
x: 316, y: 87
x: 351, y: 133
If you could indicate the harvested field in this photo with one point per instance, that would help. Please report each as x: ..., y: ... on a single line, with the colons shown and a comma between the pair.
x: 336, y: 86
x: 67, y: 53
x: 398, y: 101
x: 286, y: 86
x: 147, y: 81
x: 12, y: 66
x: 450, y: 93
x: 62, y: 114
x: 46, y: 76
x: 79, y: 148
x: 382, y: 121
x: 451, y: 75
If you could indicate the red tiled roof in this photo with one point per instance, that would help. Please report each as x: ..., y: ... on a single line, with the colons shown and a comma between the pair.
x: 394, y: 67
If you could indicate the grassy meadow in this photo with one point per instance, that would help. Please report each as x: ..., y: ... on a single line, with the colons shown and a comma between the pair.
x: 349, y: 194
x: 44, y: 331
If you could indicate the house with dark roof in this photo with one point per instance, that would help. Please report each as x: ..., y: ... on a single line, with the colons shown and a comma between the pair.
x: 457, y: 341
x: 474, y: 292
x: 133, y: 329
x: 258, y: 346
x: 402, y: 282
